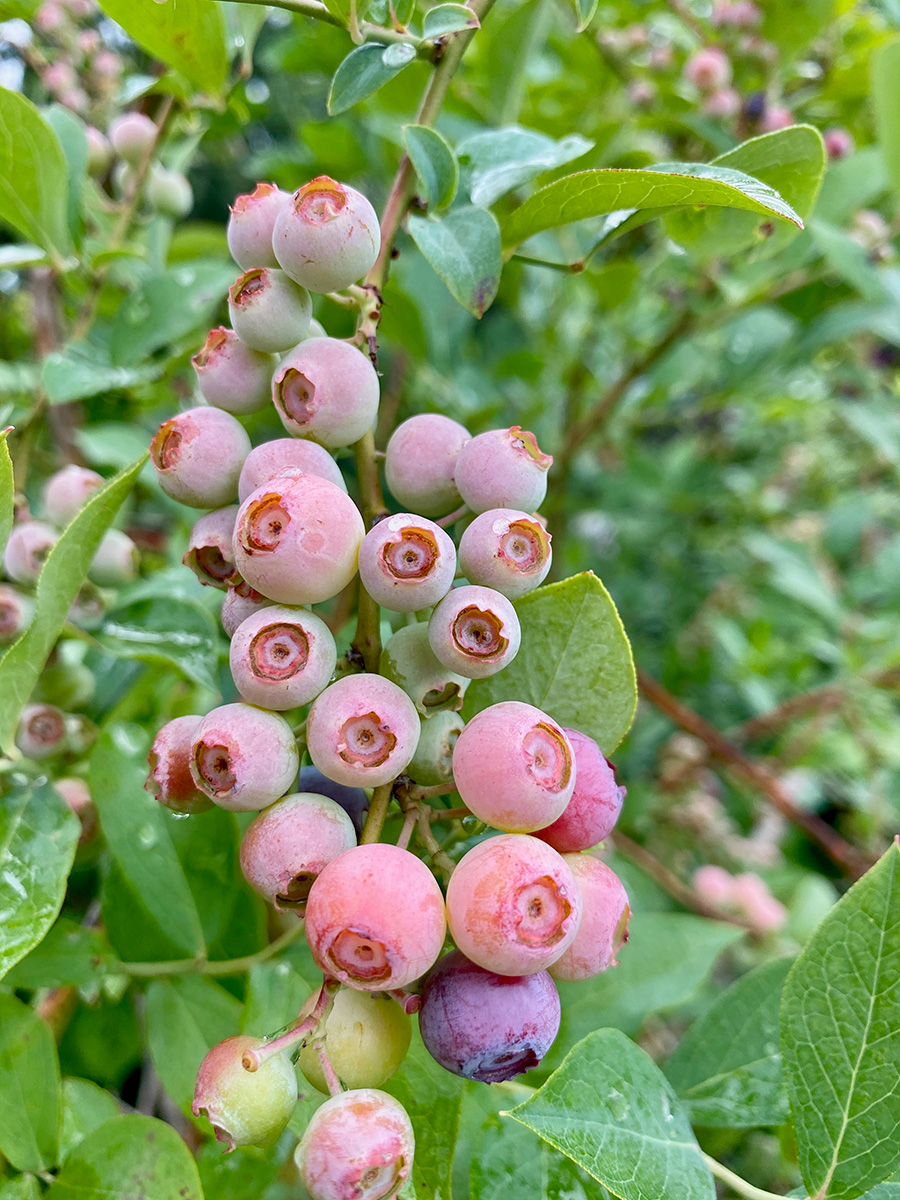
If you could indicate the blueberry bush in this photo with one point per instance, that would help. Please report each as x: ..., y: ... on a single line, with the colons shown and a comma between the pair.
x: 410, y: 409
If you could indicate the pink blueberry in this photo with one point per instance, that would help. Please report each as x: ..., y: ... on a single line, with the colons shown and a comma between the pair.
x: 722, y: 104
x: 67, y: 490
x: 506, y: 550
x: 326, y: 390
x: 282, y: 657
x: 132, y: 137
x: 776, y: 117
x: 169, y: 778
x: 409, y: 661
x: 232, y: 376
x: 838, y: 143
x: 420, y: 463
x: 752, y: 897
x: 239, y: 603
x: 362, y: 731
x: 591, y: 814
x: 26, y: 550
x: 475, y: 631
x: 268, y: 311
x: 77, y: 796
x: 709, y: 69
x: 198, y: 457
x: 243, y: 758
x: 116, y: 560
x: 713, y: 884
x: 251, y: 223
x: 264, y: 462
x: 407, y: 563
x: 245, y: 1108
x: 604, y: 922
x: 503, y: 468
x: 42, y: 731
x: 15, y: 613
x: 327, y: 236
x: 210, y: 552
x: 99, y: 152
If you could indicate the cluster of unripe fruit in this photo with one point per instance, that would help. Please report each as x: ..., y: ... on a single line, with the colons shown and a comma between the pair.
x: 525, y: 906
x: 128, y: 143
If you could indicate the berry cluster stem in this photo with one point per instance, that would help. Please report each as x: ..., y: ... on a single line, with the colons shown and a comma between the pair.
x: 297, y: 1033
x: 381, y: 798
x: 738, y: 1185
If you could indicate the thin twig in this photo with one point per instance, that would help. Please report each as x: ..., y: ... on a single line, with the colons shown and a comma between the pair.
x: 200, y: 966
x: 736, y: 1183
x: 381, y: 798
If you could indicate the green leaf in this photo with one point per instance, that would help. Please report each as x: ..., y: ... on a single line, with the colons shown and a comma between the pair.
x: 186, y: 1017
x: 80, y: 371
x: 167, y: 307
x: 509, y: 1161
x: 29, y: 1088
x: 275, y: 993
x: 596, y: 193
x: 727, y: 1068
x: 23, y: 1187
x: 33, y: 171
x: 65, y: 570
x: 7, y: 489
x: 134, y: 825
x: 38, y: 836
x: 841, y: 1039
x: 365, y: 69
x: 86, y: 1106
x: 448, y: 18
x: 187, y: 35
x: 585, y: 11
x: 849, y: 261
x: 574, y: 662
x: 70, y: 132
x: 886, y: 102
x: 123, y: 1158
x: 435, y: 163
x: 464, y: 249
x: 179, y: 632
x: 611, y: 1110
x: 501, y: 159
x: 71, y: 955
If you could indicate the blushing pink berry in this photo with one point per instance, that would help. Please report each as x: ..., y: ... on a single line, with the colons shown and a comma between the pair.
x: 326, y: 390
x: 290, y: 843
x: 243, y: 758
x: 327, y: 236
x: 268, y: 311
x: 15, y: 613
x: 420, y: 463
x: 475, y: 631
x: 26, y: 550
x: 116, y: 560
x: 709, y: 69
x: 358, y: 1146
x: 42, y: 731
x: 99, y: 152
x: 513, y: 905
x: 838, y: 143
x: 354, y: 801
x: 514, y: 767
x: 722, y: 104
x: 245, y: 1108
x: 352, y: 924
x: 282, y: 657
x: 485, y: 1026
x: 432, y: 762
x: 198, y: 457
x: 409, y: 661
x: 132, y: 137
x: 241, y: 601
x: 776, y: 117
x: 752, y: 897
x: 506, y: 550
x: 297, y: 539
x: 362, y: 731
x: 591, y: 814
x: 232, y: 376
x: 503, y: 468
x: 210, y: 553
x: 714, y: 885
x: 67, y: 490
x: 407, y: 563
x: 266, y: 461
x: 169, y: 778
x: 250, y: 226
x: 77, y: 796
x: 604, y: 922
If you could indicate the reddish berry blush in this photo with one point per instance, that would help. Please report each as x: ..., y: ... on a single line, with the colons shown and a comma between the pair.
x: 604, y: 923
x: 596, y: 802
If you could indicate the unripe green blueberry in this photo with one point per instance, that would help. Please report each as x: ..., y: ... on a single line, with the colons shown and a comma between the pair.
x: 198, y: 457
x: 132, y: 136
x: 66, y: 682
x: 99, y: 152
x: 420, y: 463
x: 250, y: 226
x: 297, y: 539
x: 169, y: 778
x: 241, y: 601
x: 475, y: 631
x: 358, y: 1146
x: 67, y: 490
x: 210, y: 552
x: 232, y: 376
x: 268, y: 311
x: 506, y: 550
x: 409, y: 661
x: 116, y: 560
x: 282, y: 657
x: 326, y: 390
x: 591, y: 814
x: 87, y: 608
x: 26, y: 550
x: 243, y: 758
x: 289, y: 843
x: 367, y: 1035
x: 245, y: 1108
x: 81, y: 733
x: 514, y: 767
x: 316, y: 329
x: 327, y: 236
x: 503, y: 468
x: 42, y: 731
x: 353, y: 923
x: 604, y: 922
x: 266, y: 461
x: 168, y: 192
x: 432, y: 762
x: 362, y: 731
x: 513, y: 905
x: 407, y: 563
x: 15, y: 613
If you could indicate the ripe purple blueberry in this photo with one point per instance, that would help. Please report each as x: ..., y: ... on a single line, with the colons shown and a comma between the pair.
x: 591, y: 814
x: 326, y: 390
x: 362, y: 731
x: 26, y: 550
x: 289, y: 843
x: 282, y: 657
x: 245, y: 1108
x: 503, y: 468
x: 15, y: 613
x: 358, y: 1146
x: 266, y: 461
x: 409, y: 661
x: 367, y: 1035
x: 327, y: 236
x: 505, y: 550
x: 42, y: 731
x: 475, y: 631
x: 241, y: 601
x: 268, y: 311
x: 432, y: 762
x: 352, y: 925
x: 66, y: 491
x: 420, y: 463
x: 243, y: 758
x: 407, y: 563
x: 514, y: 767
x: 198, y: 457
x: 485, y: 1026
x: 354, y: 801
x: 297, y: 539
x: 604, y: 923
x: 513, y: 905
x: 132, y: 136
x: 116, y: 560
x: 169, y: 778
x: 231, y: 375
x: 210, y: 552
x: 251, y: 223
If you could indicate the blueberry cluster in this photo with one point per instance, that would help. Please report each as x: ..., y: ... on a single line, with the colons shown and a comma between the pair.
x: 525, y: 907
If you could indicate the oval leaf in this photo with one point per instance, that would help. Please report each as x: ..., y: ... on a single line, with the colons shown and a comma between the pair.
x: 33, y: 183
x: 186, y: 1017
x: 435, y: 164
x: 501, y: 159
x: 886, y: 102
x: 178, y: 632
x: 187, y: 35
x: 364, y: 70
x: 464, y: 249
x: 7, y: 489
x: 30, y: 1101
x: 448, y: 18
